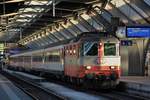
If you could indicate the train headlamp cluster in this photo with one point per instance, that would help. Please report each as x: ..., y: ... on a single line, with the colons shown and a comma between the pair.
x: 88, y: 67
x: 112, y: 67
x: 74, y: 51
x: 100, y: 44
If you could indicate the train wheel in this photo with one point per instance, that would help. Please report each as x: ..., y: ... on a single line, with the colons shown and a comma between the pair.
x: 78, y: 81
x: 67, y: 79
x: 71, y: 80
x: 62, y: 78
x: 81, y: 81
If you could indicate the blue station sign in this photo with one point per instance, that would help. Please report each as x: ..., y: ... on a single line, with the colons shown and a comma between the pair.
x: 138, y: 32
x: 126, y: 42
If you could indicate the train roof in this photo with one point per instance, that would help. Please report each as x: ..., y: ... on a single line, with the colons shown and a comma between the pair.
x: 94, y: 36
x: 86, y: 36
x: 29, y: 53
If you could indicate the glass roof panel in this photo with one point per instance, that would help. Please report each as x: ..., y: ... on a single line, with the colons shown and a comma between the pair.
x: 126, y: 9
x: 27, y: 15
x: 118, y: 3
x: 22, y: 20
x: 50, y: 2
x: 140, y: 10
x: 29, y: 9
x: 147, y: 1
x: 38, y: 2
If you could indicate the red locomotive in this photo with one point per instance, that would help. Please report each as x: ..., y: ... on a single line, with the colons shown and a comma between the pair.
x: 91, y: 56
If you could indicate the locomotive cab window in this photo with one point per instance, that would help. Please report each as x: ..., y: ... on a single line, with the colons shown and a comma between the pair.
x: 90, y: 48
x: 109, y: 49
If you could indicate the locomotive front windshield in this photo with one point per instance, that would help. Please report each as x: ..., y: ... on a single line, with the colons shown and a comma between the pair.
x: 90, y: 48
x: 109, y: 49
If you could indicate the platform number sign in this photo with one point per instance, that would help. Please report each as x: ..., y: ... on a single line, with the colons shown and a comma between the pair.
x: 126, y: 42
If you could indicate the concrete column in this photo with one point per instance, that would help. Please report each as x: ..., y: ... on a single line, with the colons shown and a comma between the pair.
x: 133, y: 58
x: 124, y: 60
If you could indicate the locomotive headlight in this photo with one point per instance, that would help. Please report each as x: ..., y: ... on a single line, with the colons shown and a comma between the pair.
x: 112, y: 67
x: 74, y: 51
x: 88, y: 67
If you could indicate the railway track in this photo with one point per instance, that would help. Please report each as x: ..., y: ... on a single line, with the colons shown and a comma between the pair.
x: 111, y: 94
x: 33, y: 90
x: 115, y: 95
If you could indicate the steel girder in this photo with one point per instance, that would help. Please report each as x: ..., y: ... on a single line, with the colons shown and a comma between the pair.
x: 142, y: 5
x: 119, y: 13
x: 130, y: 5
x: 102, y: 20
x: 86, y: 24
x: 92, y: 22
x: 131, y: 9
x: 70, y: 29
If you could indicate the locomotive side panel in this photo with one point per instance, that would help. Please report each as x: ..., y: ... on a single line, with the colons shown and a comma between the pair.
x: 72, y: 60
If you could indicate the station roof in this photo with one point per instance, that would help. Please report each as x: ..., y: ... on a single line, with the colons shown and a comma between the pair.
x: 36, y: 23
x: 28, y: 16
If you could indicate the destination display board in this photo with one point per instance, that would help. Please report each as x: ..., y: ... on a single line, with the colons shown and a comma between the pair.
x: 138, y: 31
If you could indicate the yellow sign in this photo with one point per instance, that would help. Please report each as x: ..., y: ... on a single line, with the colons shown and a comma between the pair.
x: 1, y: 47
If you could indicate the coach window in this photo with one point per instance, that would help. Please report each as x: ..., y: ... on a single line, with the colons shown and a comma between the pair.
x: 37, y: 59
x: 46, y: 56
x: 109, y: 49
x: 54, y: 56
x: 27, y: 58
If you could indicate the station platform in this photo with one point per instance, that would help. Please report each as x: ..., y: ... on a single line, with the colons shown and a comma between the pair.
x: 8, y: 91
x: 136, y: 85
